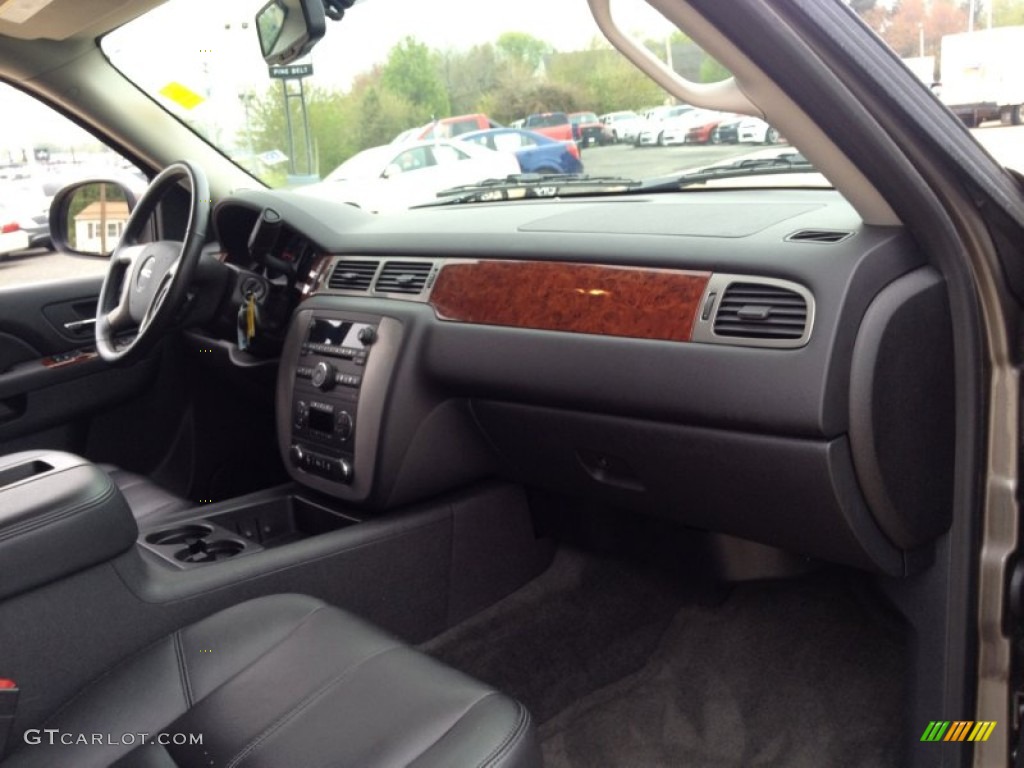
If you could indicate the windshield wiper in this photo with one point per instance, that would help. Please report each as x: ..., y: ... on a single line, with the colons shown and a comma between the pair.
x: 525, y: 185
x: 792, y: 162
x: 521, y: 185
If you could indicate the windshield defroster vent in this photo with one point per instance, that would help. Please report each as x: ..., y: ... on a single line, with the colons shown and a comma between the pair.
x: 754, y: 312
x: 352, y: 275
x: 407, y: 277
x: 819, y: 236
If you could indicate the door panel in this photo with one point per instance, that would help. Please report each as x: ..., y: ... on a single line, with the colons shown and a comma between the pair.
x: 50, y: 375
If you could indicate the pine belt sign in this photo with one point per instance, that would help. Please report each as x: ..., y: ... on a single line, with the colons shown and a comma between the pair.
x: 291, y: 71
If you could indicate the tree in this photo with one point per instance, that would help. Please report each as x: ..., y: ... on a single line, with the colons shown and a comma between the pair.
x: 523, y: 48
x: 602, y: 80
x: 904, y: 24
x: 1007, y: 13
x: 515, y: 99
x: 712, y: 72
x: 469, y: 76
x: 332, y: 118
x: 411, y: 73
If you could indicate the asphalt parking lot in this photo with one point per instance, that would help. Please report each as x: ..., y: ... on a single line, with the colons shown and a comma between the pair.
x: 644, y: 162
x: 1005, y: 143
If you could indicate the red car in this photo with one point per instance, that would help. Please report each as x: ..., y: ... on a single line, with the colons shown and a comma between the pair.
x: 587, y: 128
x: 554, y: 125
x: 702, y: 134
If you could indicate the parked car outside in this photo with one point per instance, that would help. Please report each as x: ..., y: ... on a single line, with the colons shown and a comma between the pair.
x: 535, y: 152
x: 554, y: 125
x: 703, y: 131
x: 620, y: 126
x: 657, y: 120
x: 754, y: 130
x: 675, y: 128
x: 12, y: 237
x: 727, y: 131
x: 587, y: 127
x: 447, y: 128
x: 394, y: 177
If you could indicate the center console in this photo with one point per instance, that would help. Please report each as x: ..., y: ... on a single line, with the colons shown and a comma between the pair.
x: 331, y: 387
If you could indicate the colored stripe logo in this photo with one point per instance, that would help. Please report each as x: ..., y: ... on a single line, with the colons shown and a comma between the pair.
x: 958, y: 730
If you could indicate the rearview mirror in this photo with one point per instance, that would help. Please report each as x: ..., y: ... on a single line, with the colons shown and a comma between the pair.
x: 288, y: 29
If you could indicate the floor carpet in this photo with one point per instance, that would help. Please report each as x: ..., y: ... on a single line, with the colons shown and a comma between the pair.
x: 625, y: 667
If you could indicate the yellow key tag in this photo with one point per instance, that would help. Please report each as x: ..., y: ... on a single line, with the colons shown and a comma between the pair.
x: 250, y: 317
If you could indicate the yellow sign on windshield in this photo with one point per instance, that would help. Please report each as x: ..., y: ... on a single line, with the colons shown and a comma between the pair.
x: 181, y: 95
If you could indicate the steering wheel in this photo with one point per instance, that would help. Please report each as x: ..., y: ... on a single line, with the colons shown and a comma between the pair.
x: 147, y: 283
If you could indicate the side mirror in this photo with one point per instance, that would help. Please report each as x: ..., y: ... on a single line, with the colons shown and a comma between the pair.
x: 88, y: 217
x: 392, y: 170
x: 288, y: 29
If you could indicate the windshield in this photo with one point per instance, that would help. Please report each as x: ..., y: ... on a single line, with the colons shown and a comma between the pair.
x: 398, y: 71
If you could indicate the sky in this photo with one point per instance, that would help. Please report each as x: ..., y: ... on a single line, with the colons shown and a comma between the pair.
x: 210, y: 46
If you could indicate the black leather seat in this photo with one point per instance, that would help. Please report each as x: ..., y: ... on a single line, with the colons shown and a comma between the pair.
x: 288, y: 681
x: 146, y: 499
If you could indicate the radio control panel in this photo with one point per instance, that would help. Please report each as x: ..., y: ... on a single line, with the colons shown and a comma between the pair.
x: 328, y: 377
x: 336, y: 370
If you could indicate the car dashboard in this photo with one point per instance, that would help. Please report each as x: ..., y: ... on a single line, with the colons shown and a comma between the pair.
x: 759, y: 363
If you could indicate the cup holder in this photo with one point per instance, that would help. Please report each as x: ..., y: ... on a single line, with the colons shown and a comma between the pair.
x: 195, y: 543
x: 202, y: 551
x: 184, y: 534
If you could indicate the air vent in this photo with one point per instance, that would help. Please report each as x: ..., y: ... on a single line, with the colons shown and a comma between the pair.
x: 403, y: 277
x: 352, y: 275
x: 761, y: 311
x: 819, y: 236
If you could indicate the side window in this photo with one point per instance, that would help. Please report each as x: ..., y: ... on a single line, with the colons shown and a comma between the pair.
x: 444, y: 154
x: 414, y: 159
x: 42, y: 151
x: 509, y: 142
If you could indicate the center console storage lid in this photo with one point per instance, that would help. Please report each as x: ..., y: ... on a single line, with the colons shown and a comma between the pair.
x: 59, y: 514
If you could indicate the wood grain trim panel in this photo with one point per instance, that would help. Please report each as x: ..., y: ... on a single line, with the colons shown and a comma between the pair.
x: 634, y: 302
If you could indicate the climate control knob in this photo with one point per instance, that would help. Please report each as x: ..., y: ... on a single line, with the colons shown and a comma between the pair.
x: 323, y: 376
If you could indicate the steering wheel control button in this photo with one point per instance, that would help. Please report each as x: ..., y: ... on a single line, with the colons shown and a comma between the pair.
x: 323, y: 376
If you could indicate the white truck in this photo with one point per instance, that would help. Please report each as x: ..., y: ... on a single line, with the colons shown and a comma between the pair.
x: 983, y: 75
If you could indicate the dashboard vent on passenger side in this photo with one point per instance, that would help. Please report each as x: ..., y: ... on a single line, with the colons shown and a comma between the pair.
x: 403, y: 277
x: 761, y: 311
x: 819, y: 236
x: 352, y: 275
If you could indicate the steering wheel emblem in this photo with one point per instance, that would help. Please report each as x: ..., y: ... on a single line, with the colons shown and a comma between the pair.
x: 146, y: 272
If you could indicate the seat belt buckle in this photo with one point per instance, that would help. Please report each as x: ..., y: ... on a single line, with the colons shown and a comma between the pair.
x: 8, y: 705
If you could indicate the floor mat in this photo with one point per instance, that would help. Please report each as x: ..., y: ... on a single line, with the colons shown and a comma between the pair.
x: 621, y: 668
x: 584, y: 623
